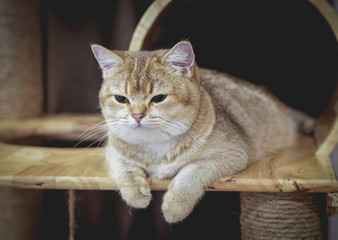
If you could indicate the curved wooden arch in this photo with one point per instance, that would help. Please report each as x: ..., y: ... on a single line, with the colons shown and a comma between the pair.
x: 146, y: 22
x: 327, y: 130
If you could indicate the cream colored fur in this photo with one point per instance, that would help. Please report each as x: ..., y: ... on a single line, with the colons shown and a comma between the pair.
x: 210, y: 125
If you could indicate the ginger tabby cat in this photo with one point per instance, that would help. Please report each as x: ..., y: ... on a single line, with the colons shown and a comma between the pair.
x: 166, y: 118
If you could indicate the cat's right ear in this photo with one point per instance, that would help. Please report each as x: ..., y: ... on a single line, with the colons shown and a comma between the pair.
x: 181, y: 58
x: 107, y: 60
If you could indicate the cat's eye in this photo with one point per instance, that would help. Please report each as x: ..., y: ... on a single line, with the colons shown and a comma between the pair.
x: 158, y: 98
x: 121, y: 99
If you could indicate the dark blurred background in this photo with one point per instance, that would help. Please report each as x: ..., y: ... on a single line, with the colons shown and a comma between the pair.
x: 72, y: 79
x: 283, y: 45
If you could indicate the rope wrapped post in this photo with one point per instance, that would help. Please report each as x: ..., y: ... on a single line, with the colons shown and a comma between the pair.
x: 20, y: 60
x: 20, y: 98
x: 71, y: 213
x: 282, y: 216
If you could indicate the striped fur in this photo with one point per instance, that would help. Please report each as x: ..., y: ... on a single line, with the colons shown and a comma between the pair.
x: 209, y: 125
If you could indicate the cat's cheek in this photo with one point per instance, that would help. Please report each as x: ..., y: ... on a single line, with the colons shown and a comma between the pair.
x: 174, y: 111
x: 177, y: 109
x: 114, y: 115
x: 120, y: 113
x: 108, y: 113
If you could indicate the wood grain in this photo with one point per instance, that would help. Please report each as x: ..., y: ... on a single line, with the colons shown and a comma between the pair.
x: 296, y: 169
x: 61, y: 127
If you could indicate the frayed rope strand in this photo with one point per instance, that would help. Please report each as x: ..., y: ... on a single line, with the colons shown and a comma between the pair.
x: 71, y: 213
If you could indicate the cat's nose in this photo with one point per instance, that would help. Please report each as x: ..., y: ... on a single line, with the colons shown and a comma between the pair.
x: 138, y: 117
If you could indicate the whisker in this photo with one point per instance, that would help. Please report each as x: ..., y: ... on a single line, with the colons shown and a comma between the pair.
x: 90, y: 135
x: 102, y: 139
x: 188, y: 130
x: 177, y: 128
x: 94, y: 126
x: 99, y: 141
x: 171, y: 127
x: 94, y: 130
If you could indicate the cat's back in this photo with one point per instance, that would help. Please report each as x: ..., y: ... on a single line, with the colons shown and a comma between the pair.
x: 258, y: 114
x: 227, y: 92
x: 227, y: 88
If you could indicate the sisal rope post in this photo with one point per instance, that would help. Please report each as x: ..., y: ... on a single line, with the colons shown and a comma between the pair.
x: 20, y: 98
x: 282, y: 216
x: 71, y: 214
x: 20, y: 59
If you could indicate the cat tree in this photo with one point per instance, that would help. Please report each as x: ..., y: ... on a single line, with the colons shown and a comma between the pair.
x: 295, y: 180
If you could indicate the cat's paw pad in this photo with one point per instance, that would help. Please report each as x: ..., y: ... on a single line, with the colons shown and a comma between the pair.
x: 176, y: 207
x: 137, y: 194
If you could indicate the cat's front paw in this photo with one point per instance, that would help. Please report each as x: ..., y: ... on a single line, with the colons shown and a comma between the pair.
x: 137, y: 193
x: 177, y: 206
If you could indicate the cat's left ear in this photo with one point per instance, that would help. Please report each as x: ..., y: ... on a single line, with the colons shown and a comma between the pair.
x: 107, y: 60
x: 181, y: 57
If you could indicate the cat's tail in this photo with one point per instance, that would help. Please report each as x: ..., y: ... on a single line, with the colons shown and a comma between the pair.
x: 303, y: 122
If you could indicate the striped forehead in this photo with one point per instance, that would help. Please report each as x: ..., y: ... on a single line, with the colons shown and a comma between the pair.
x: 138, y: 78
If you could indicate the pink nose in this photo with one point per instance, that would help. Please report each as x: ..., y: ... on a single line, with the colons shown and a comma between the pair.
x: 138, y: 117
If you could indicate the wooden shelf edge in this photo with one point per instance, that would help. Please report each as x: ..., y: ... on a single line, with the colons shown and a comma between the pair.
x: 295, y: 170
x: 84, y: 169
x: 226, y: 185
x: 59, y: 126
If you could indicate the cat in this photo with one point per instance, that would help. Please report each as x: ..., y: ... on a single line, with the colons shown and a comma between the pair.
x: 168, y: 119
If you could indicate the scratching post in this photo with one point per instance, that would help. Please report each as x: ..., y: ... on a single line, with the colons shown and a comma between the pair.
x: 20, y: 60
x: 71, y: 214
x: 20, y: 97
x: 282, y: 216
x: 20, y: 213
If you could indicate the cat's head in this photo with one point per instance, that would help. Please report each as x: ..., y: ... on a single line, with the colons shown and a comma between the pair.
x: 149, y: 96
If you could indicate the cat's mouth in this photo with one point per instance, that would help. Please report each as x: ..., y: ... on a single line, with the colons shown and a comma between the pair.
x: 138, y: 126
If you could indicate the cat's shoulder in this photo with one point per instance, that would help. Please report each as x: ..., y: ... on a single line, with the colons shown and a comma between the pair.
x: 213, y: 75
x: 222, y: 85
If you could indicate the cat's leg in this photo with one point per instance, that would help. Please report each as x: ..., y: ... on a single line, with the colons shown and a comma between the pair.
x: 190, y: 183
x: 134, y: 188
x: 129, y: 179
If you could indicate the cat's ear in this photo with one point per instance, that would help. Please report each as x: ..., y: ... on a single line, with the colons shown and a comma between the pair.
x: 181, y: 57
x: 107, y: 60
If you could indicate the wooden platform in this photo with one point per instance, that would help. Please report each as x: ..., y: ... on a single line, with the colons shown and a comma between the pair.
x: 294, y: 170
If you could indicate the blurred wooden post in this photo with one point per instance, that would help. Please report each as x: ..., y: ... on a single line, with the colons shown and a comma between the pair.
x: 20, y: 59
x: 20, y: 97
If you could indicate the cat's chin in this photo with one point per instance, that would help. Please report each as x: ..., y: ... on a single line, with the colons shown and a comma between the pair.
x: 142, y: 135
